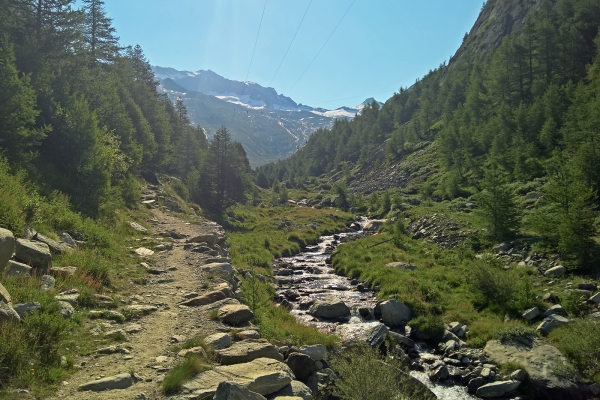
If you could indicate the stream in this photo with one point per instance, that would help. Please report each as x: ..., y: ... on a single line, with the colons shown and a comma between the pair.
x: 308, y: 276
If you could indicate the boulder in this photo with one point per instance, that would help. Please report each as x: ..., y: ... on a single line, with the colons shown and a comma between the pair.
x: 401, y: 265
x: 295, y: 390
x: 47, y: 283
x: 394, y: 313
x: 7, y: 313
x: 263, y: 376
x: 27, y: 308
x: 302, y: 365
x: 15, y: 268
x: 497, y: 389
x: 205, y: 299
x: 372, y: 333
x: 210, y: 238
x: 552, y: 322
x: 519, y: 375
x: 143, y: 252
x: 54, y: 246
x: 218, y: 340
x: 224, y: 270
x: 555, y: 309
x: 596, y: 298
x: 4, y: 295
x: 138, y: 227
x: 439, y: 374
x: 475, y: 384
x: 121, y: 381
x: 34, y: 253
x: 531, y: 313
x: 540, y: 360
x: 65, y: 309
x: 559, y: 270
x: 329, y: 307
x: 233, y: 391
x: 235, y: 314
x: 7, y: 247
x: 199, y: 351
x: 144, y: 309
x: 501, y: 247
x: 316, y: 351
x: 248, y: 334
x: 401, y: 339
x: 247, y: 350
x: 374, y: 225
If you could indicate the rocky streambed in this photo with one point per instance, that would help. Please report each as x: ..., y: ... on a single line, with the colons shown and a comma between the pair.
x: 309, y: 287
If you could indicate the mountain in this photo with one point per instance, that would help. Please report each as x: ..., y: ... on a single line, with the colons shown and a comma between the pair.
x: 269, y: 125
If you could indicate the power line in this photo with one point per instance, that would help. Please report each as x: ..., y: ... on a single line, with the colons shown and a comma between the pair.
x: 288, y: 49
x: 256, y: 41
x: 319, y: 52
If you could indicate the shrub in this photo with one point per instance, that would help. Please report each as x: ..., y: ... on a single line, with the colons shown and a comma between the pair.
x: 430, y: 326
x: 386, y: 378
x: 515, y: 333
x: 579, y: 343
x: 494, y: 285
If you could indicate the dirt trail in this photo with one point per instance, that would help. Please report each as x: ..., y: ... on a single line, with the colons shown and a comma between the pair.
x: 159, y: 327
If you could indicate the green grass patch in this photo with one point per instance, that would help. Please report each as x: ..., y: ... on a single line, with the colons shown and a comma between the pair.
x: 186, y: 369
x: 578, y: 341
x: 515, y: 332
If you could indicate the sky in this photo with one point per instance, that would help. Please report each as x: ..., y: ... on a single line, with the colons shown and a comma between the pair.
x: 378, y: 47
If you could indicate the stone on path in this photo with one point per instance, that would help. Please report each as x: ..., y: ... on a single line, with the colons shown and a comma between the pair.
x: 205, y: 299
x: 394, y: 313
x: 141, y: 308
x: 121, y: 381
x: 36, y: 254
x: 330, y: 307
x: 235, y: 314
x: 248, y: 334
x: 210, y: 238
x: 233, y: 391
x: 263, y: 376
x: 7, y: 248
x: 218, y: 340
x: 497, y: 389
x: 247, y: 350
x: 15, y: 268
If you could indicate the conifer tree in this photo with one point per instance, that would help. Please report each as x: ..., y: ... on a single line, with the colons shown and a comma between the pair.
x: 98, y: 33
x: 496, y: 204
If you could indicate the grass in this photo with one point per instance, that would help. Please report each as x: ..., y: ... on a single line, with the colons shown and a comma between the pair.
x: 578, y: 341
x: 186, y: 369
x: 515, y: 332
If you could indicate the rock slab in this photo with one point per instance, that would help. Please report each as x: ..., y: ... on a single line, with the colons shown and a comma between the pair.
x: 233, y: 391
x: 246, y: 351
x: 7, y: 247
x: 36, y: 254
x: 235, y: 314
x: 497, y: 389
x: 330, y: 307
x: 121, y: 381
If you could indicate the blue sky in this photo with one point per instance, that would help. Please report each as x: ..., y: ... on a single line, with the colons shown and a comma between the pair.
x: 380, y: 45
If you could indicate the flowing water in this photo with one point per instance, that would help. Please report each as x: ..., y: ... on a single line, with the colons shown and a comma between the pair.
x: 307, y: 277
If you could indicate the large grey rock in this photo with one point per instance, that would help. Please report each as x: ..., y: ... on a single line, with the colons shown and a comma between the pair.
x: 394, y: 313
x: 247, y: 350
x: 556, y: 271
x: 36, y: 254
x: 233, y: 391
x: 65, y: 309
x: 497, y: 389
x: 540, y: 361
x: 294, y: 389
x: 555, y: 309
x: 401, y: 339
x: 330, y: 307
x: 263, y: 376
x: 218, y: 340
x: 224, y: 271
x: 121, y: 381
x: 4, y: 295
x: 7, y: 247
x: 374, y: 225
x: 372, y: 333
x: 302, y: 365
x: 205, y: 299
x: 531, y: 313
x: 552, y: 322
x: 316, y: 351
x: 235, y: 314
x: 54, y: 246
x: 27, y: 308
x: 47, y: 283
x: 210, y: 238
x: 7, y: 313
x: 15, y: 268
x: 596, y: 298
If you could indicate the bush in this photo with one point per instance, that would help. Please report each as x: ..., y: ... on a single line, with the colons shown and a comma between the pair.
x: 494, y: 285
x: 515, y: 333
x: 430, y: 326
x: 579, y: 343
x: 385, y: 379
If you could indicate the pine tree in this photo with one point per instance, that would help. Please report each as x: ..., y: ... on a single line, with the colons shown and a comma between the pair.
x: 497, y: 206
x: 98, y: 33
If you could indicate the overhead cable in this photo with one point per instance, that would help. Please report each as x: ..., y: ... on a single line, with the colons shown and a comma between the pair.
x: 288, y: 49
x: 321, y: 49
x: 256, y: 41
